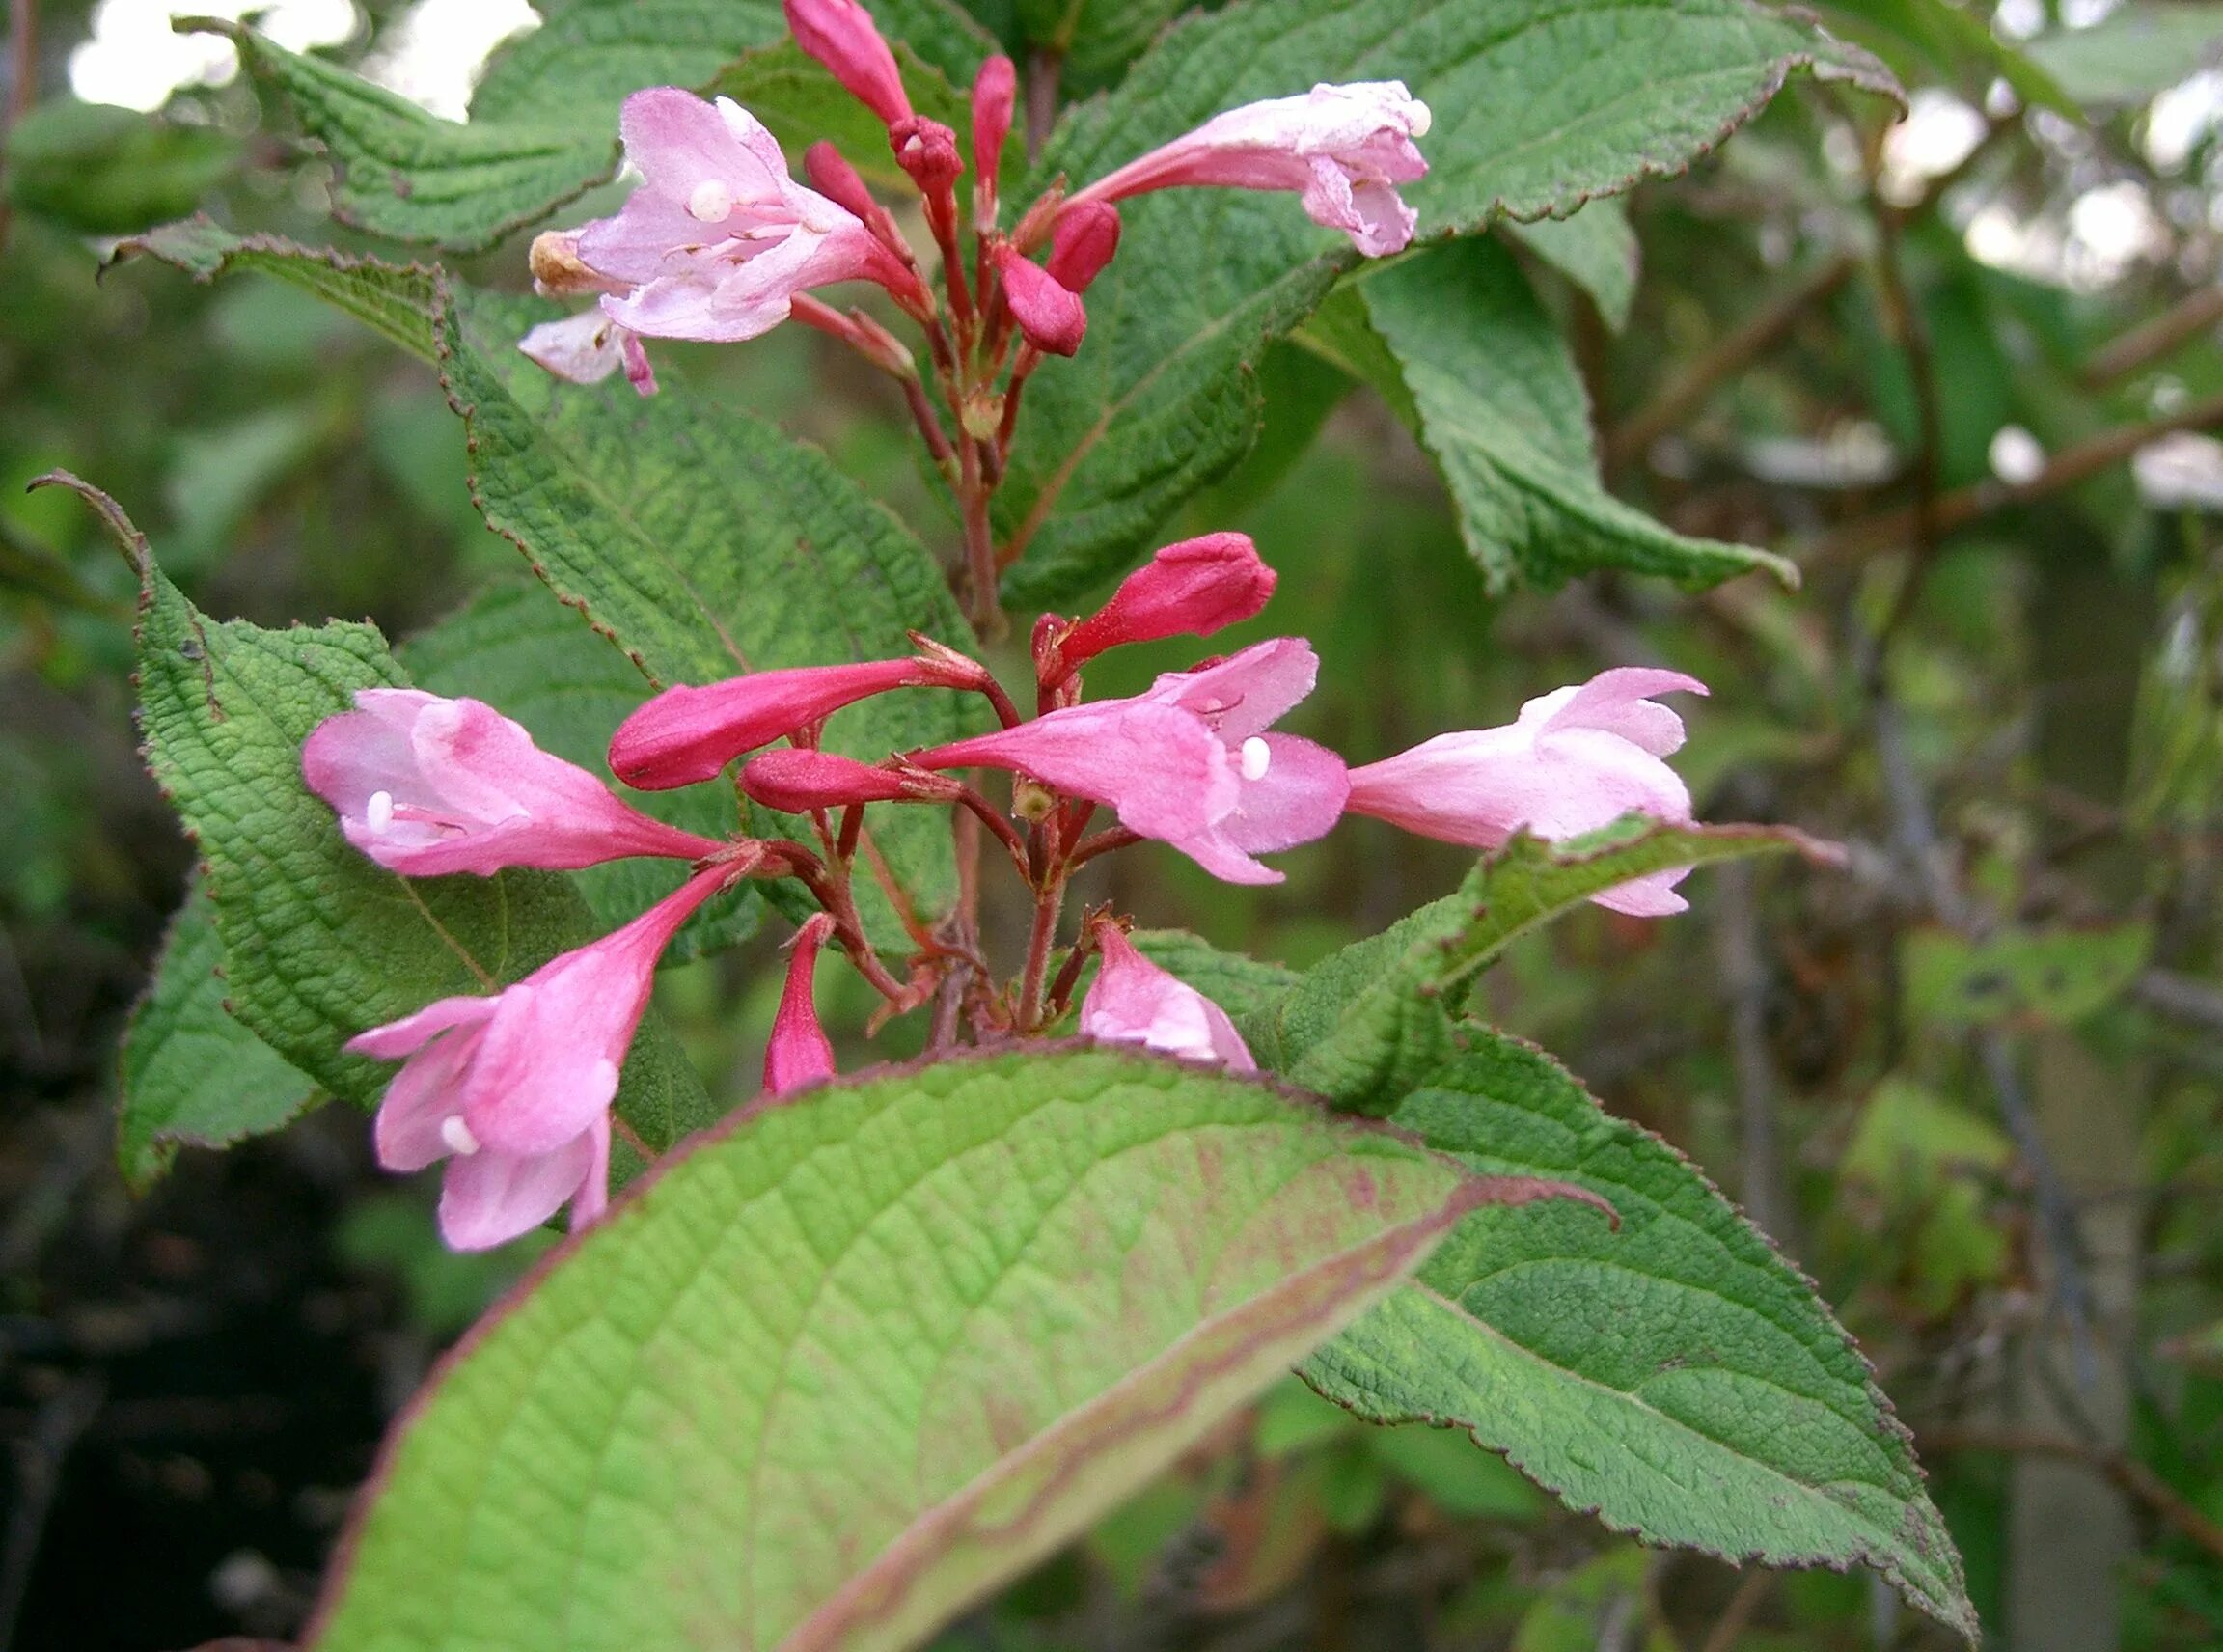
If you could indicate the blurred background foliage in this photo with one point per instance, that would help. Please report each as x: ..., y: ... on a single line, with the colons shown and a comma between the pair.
x: 1962, y: 369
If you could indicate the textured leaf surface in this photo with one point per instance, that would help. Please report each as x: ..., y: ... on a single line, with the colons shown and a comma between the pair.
x: 527, y: 654
x: 1366, y: 1024
x: 318, y: 941
x: 1502, y: 410
x: 193, y: 1073
x: 706, y: 543
x: 592, y: 54
x: 840, y: 1368
x: 1677, y: 1377
x: 1161, y: 399
x: 1596, y: 248
x: 1097, y: 38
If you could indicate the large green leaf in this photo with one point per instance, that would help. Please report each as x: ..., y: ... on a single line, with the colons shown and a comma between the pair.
x: 192, y: 1072
x: 840, y: 1368
x: 1596, y: 248
x: 705, y: 543
x: 801, y: 103
x: 1366, y: 1024
x: 104, y: 171
x: 1502, y: 408
x: 519, y: 649
x: 1539, y: 105
x: 1096, y: 39
x: 2134, y: 52
x: 320, y: 943
x: 1676, y: 1376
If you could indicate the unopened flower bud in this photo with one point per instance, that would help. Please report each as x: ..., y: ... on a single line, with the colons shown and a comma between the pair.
x: 831, y: 174
x: 927, y: 150
x: 1135, y: 1001
x: 1082, y: 243
x: 1194, y: 588
x: 796, y: 782
x: 995, y: 91
x: 799, y: 1053
x: 1052, y: 318
x: 840, y: 35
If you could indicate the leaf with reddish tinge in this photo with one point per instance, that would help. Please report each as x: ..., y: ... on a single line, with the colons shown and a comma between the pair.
x: 844, y: 1366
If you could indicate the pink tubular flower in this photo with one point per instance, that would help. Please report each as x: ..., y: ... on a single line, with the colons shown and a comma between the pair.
x: 800, y: 1054
x: 1345, y: 149
x: 1135, y: 1001
x: 1082, y: 242
x: 1188, y: 762
x: 688, y: 734
x: 718, y: 239
x: 1193, y: 588
x: 995, y: 94
x: 1577, y: 759
x: 514, y: 1089
x: 840, y: 35
x: 1050, y: 318
x: 426, y: 787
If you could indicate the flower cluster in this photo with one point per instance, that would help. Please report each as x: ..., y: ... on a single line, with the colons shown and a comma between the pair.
x: 719, y: 241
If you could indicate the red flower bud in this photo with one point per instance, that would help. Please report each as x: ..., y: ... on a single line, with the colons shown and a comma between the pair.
x: 800, y: 1052
x: 832, y: 176
x: 1082, y: 243
x: 927, y: 150
x: 796, y: 782
x: 1052, y: 318
x: 840, y: 34
x: 1194, y: 588
x: 995, y: 91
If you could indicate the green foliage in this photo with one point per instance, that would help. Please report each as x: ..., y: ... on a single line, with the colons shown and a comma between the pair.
x: 1164, y: 400
x: 1677, y: 1376
x: 961, y: 1308
x: 2058, y: 976
x: 318, y: 943
x: 1595, y: 248
x: 1928, y: 1165
x: 1502, y: 409
x: 2132, y: 53
x: 1096, y: 38
x: 104, y: 171
x: 801, y: 103
x: 191, y: 1072
x: 705, y: 543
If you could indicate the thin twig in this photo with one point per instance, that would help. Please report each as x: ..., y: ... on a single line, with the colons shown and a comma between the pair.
x: 1042, y: 70
x: 2152, y: 340
x: 2125, y: 1471
x: 23, y: 79
x: 1740, y: 1608
x: 2181, y: 998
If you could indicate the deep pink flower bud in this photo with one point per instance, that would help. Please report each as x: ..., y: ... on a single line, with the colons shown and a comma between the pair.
x: 1135, y: 1001
x: 1052, y: 319
x: 1193, y: 588
x: 514, y: 1089
x: 426, y: 787
x: 831, y: 174
x: 800, y: 1054
x: 688, y: 734
x: 927, y: 150
x: 1082, y: 243
x: 1345, y: 149
x: 840, y: 35
x: 1577, y: 759
x: 995, y: 94
x: 795, y: 782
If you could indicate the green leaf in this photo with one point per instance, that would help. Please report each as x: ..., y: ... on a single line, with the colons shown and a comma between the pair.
x: 1596, y: 248
x: 1504, y: 411
x: 1676, y: 1377
x: 2058, y: 976
x: 104, y: 171
x: 2132, y: 53
x: 591, y: 55
x: 395, y: 301
x: 848, y: 1363
x: 520, y: 650
x: 1161, y: 399
x: 192, y: 1073
x: 1366, y: 1024
x: 801, y: 103
x: 318, y: 941
x: 1945, y: 38
x: 706, y: 542
x: 1096, y: 38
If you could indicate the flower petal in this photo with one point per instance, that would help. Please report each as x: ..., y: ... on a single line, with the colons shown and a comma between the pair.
x: 490, y: 1198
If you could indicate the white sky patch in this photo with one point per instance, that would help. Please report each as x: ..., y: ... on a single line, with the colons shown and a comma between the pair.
x: 2108, y: 231
x: 134, y: 58
x: 1939, y: 133
x: 434, y: 54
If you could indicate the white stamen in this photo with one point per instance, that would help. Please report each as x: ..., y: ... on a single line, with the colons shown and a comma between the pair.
x: 710, y: 201
x: 378, y: 812
x: 1257, y: 757
x: 1419, y: 121
x: 457, y: 1134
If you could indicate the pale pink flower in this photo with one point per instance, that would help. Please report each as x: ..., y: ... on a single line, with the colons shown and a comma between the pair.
x: 426, y: 787
x: 799, y: 1053
x: 514, y: 1089
x: 687, y: 734
x: 1135, y: 1001
x: 588, y: 348
x: 1577, y: 759
x: 1345, y: 149
x: 718, y: 239
x: 840, y: 35
x: 1193, y: 588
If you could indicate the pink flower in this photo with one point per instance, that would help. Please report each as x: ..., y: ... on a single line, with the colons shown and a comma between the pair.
x: 588, y: 348
x: 426, y: 787
x: 800, y: 1054
x: 688, y: 734
x: 1344, y: 148
x: 1082, y: 242
x: 1577, y: 759
x: 1135, y: 1001
x: 514, y: 1090
x: 718, y: 239
x: 995, y: 94
x: 1050, y: 318
x: 840, y: 35
x: 1188, y: 762
x: 795, y: 782
x: 1193, y: 588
